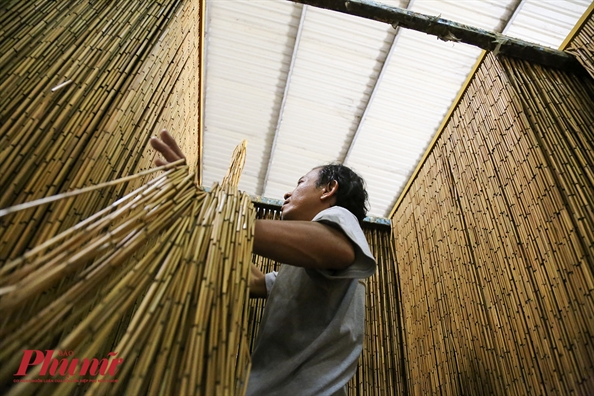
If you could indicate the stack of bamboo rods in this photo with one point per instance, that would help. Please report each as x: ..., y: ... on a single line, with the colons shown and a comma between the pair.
x: 160, y: 277
x: 494, y: 240
x: 426, y: 310
x: 560, y: 110
x: 497, y: 265
x: 84, y: 86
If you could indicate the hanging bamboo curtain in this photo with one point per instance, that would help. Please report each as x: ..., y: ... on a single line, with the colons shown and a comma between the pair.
x: 582, y: 44
x: 83, y: 87
x: 494, y: 240
x: 381, y: 367
x: 256, y: 305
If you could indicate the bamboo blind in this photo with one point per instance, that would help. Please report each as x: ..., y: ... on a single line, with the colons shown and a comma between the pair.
x: 494, y: 241
x: 256, y: 305
x: 83, y: 87
x: 582, y: 45
x: 381, y: 367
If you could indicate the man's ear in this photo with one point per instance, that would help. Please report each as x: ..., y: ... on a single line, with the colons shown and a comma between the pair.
x: 330, y: 190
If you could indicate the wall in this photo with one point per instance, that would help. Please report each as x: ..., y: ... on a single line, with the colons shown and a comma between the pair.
x: 132, y: 69
x: 582, y: 44
x: 494, y: 240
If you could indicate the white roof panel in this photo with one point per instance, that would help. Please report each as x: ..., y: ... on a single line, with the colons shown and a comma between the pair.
x: 547, y: 22
x: 334, y: 70
x: 249, y: 49
x: 344, y: 86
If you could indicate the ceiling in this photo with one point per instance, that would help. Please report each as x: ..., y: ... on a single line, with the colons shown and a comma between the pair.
x: 307, y: 86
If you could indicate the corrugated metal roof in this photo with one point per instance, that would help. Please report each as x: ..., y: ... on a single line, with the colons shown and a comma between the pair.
x: 307, y: 86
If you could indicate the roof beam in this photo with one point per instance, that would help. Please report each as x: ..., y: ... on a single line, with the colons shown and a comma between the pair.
x: 285, y: 94
x: 375, y: 87
x: 450, y: 31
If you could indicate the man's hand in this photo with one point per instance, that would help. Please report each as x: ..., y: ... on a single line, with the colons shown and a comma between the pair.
x: 257, y: 283
x: 167, y: 147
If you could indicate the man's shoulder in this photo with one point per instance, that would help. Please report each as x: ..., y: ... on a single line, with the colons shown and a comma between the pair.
x: 338, y: 213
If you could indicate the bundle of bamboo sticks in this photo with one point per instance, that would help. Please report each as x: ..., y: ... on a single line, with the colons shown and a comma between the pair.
x: 158, y: 279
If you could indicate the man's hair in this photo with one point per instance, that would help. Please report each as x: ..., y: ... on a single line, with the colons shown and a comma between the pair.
x: 351, y: 193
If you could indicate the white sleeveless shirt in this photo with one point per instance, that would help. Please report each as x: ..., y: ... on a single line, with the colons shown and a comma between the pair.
x: 311, y: 334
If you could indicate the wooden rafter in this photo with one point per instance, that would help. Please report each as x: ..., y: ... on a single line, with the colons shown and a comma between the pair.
x: 450, y: 31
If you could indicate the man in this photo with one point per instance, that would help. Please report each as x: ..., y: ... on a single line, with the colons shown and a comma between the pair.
x: 311, y: 333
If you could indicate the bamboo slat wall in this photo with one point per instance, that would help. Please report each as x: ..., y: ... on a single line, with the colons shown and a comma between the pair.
x: 380, y: 370
x: 582, y: 44
x: 256, y: 305
x: 494, y: 241
x: 381, y: 366
x: 83, y: 86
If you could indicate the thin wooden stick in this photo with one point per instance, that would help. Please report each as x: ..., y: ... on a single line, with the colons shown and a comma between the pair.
x: 27, y: 205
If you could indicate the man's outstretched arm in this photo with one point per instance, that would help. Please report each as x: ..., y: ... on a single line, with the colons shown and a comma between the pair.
x: 307, y: 244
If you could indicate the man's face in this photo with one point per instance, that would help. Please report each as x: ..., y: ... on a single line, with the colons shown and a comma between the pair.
x: 305, y: 201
